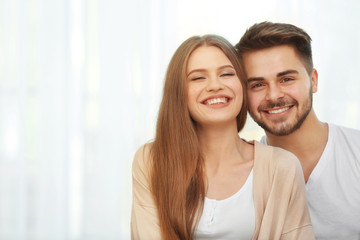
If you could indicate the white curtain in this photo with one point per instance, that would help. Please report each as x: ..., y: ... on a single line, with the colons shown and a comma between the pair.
x: 80, y: 86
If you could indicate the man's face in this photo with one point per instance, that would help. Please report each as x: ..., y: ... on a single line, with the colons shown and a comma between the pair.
x: 279, y: 89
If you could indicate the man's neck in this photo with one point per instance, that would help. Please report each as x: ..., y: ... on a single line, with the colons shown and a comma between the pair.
x: 307, y: 143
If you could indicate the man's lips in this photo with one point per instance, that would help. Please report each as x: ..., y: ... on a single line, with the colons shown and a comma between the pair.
x: 277, y: 110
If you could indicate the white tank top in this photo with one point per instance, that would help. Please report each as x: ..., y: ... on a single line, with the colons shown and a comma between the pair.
x: 231, y: 218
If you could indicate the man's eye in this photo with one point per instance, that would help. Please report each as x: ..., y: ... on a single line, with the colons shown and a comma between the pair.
x: 257, y: 85
x: 287, y: 79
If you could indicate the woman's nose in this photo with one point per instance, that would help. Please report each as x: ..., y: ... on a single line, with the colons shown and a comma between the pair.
x: 214, y: 84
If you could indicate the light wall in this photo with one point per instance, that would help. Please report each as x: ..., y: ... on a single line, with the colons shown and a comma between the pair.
x: 80, y: 86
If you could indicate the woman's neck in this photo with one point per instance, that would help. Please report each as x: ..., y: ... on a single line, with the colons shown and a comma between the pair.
x: 220, y: 144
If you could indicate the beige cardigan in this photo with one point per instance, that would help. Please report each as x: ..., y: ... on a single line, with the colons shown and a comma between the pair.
x: 279, y: 197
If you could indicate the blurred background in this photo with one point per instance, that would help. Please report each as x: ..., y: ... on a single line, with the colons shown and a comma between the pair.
x: 80, y: 87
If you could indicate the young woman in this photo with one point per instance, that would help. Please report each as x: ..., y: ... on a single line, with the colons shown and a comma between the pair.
x: 198, y: 179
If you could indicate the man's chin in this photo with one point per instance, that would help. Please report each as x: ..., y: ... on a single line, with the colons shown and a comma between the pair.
x: 278, y: 130
x: 280, y: 133
x: 277, y: 127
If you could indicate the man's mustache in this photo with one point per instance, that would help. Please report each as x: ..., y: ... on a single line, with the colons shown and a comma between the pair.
x: 276, y: 104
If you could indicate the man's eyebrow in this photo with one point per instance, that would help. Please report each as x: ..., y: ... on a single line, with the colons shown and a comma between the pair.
x: 255, y: 79
x: 290, y: 71
x: 280, y: 74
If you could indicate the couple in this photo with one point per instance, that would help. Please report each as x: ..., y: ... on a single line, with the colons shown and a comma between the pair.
x: 199, y: 180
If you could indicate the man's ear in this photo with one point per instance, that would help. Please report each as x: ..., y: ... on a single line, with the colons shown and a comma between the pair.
x: 314, y: 80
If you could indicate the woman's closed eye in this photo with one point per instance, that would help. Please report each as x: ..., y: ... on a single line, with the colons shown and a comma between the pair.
x: 197, y: 78
x: 227, y: 74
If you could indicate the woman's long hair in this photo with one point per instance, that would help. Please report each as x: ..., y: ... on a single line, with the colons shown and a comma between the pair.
x: 177, y: 174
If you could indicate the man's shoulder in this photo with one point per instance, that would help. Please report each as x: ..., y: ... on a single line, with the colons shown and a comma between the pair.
x: 344, y: 141
x: 341, y: 132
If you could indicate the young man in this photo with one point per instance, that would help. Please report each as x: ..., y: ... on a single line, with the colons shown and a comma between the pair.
x: 280, y: 80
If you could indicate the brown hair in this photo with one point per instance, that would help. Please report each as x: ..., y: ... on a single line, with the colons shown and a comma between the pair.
x: 267, y: 34
x: 177, y: 175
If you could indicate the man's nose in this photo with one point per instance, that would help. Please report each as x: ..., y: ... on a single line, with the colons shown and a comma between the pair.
x: 274, y: 92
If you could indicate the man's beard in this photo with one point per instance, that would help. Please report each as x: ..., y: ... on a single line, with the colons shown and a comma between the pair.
x: 284, y: 128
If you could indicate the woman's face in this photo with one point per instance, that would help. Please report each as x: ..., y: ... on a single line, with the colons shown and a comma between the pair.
x: 215, y: 94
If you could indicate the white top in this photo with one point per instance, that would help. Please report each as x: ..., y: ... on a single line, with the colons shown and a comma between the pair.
x: 333, y: 188
x: 231, y: 218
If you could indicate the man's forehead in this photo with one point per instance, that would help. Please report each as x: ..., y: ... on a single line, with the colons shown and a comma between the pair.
x: 271, y: 61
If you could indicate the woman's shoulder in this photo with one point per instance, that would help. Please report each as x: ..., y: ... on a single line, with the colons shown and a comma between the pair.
x: 277, y: 166
x: 276, y: 156
x: 141, y: 160
x: 143, y: 151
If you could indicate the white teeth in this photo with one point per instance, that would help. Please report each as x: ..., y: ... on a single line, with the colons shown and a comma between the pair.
x: 216, y: 101
x: 279, y: 110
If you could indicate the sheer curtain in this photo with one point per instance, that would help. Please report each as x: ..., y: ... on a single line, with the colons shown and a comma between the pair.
x: 80, y: 86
